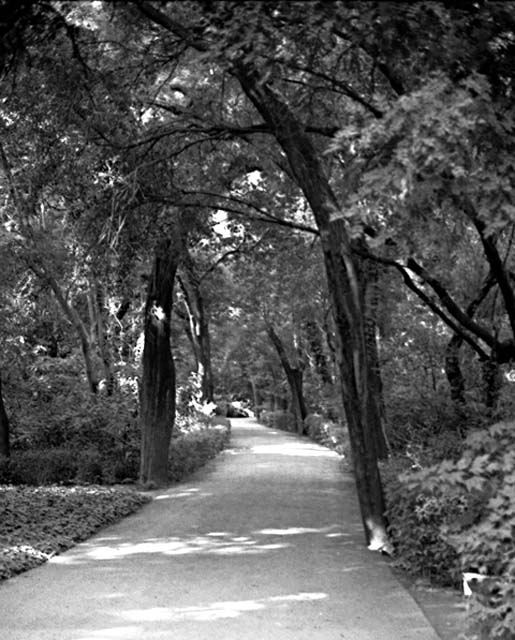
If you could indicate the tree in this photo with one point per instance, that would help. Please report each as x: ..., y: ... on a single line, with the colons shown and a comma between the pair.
x: 196, y: 320
x: 157, y: 395
x: 5, y: 448
x: 307, y: 170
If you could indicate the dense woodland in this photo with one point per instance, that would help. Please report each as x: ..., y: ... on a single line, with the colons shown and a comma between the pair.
x: 305, y: 207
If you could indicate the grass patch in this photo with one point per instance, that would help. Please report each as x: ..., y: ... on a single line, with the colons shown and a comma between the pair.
x: 39, y: 522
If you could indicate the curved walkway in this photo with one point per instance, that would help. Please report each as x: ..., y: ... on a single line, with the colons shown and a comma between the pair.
x: 263, y: 544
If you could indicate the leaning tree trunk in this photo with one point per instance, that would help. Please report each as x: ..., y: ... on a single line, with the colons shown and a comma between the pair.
x: 5, y: 448
x: 377, y: 412
x: 314, y: 338
x: 294, y: 377
x: 157, y: 393
x: 345, y: 289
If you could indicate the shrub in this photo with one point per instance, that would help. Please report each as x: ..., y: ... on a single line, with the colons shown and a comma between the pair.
x: 189, y: 452
x: 90, y: 467
x: 480, y: 529
x: 433, y: 427
x: 328, y: 433
x: 279, y: 420
x: 415, y: 521
x: 5, y: 474
x: 42, y: 466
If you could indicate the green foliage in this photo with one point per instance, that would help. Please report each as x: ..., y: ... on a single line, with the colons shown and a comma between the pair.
x: 476, y: 497
x: 42, y: 466
x: 279, y: 420
x: 4, y: 470
x: 191, y: 451
x: 328, y: 433
x: 430, y: 428
x: 415, y: 524
x: 36, y: 523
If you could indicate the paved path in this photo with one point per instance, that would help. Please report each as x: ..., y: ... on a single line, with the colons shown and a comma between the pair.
x: 263, y: 544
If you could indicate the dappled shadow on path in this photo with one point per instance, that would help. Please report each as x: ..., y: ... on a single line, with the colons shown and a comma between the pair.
x: 123, y: 616
x: 215, y: 543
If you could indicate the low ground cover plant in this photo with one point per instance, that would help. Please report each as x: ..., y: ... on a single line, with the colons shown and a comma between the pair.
x: 51, y: 498
x: 39, y: 522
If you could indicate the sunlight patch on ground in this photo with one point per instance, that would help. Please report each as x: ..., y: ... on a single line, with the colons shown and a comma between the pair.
x: 215, y: 544
x: 186, y: 493
x: 216, y: 610
x: 120, y: 633
x: 292, y: 531
x: 293, y: 449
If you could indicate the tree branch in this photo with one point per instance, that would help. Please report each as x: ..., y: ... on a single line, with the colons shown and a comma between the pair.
x: 408, y: 280
x: 450, y: 305
x: 494, y: 260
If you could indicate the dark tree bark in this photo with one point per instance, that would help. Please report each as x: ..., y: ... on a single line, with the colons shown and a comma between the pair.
x: 314, y: 338
x: 157, y: 393
x: 294, y: 377
x: 492, y: 382
x: 345, y: 289
x: 5, y: 445
x: 256, y: 396
x: 453, y: 370
x: 376, y: 409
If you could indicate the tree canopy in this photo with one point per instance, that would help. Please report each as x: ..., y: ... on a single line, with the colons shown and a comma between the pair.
x: 306, y: 205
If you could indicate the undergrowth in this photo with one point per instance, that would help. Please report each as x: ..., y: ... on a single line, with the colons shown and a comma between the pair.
x: 39, y: 522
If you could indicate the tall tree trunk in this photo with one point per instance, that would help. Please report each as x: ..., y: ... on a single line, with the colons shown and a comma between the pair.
x: 75, y: 320
x: 294, y: 377
x: 256, y: 401
x: 453, y: 370
x: 345, y: 289
x: 5, y: 444
x: 492, y: 382
x: 77, y: 323
x: 197, y: 327
x: 314, y: 338
x: 377, y: 413
x: 157, y: 393
x: 102, y: 343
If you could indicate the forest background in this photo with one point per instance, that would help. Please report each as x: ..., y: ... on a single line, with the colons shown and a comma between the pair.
x: 304, y: 207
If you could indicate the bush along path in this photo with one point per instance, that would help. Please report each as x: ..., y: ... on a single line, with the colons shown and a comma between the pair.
x: 266, y: 542
x: 38, y: 522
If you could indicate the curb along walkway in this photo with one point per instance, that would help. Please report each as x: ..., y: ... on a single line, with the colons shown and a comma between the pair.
x: 263, y: 544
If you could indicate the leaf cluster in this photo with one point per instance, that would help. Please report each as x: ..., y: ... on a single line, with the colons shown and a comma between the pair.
x: 481, y: 530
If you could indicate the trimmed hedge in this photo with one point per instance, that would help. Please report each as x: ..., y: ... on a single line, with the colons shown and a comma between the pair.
x: 191, y: 451
x: 41, y: 467
x: 278, y: 420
